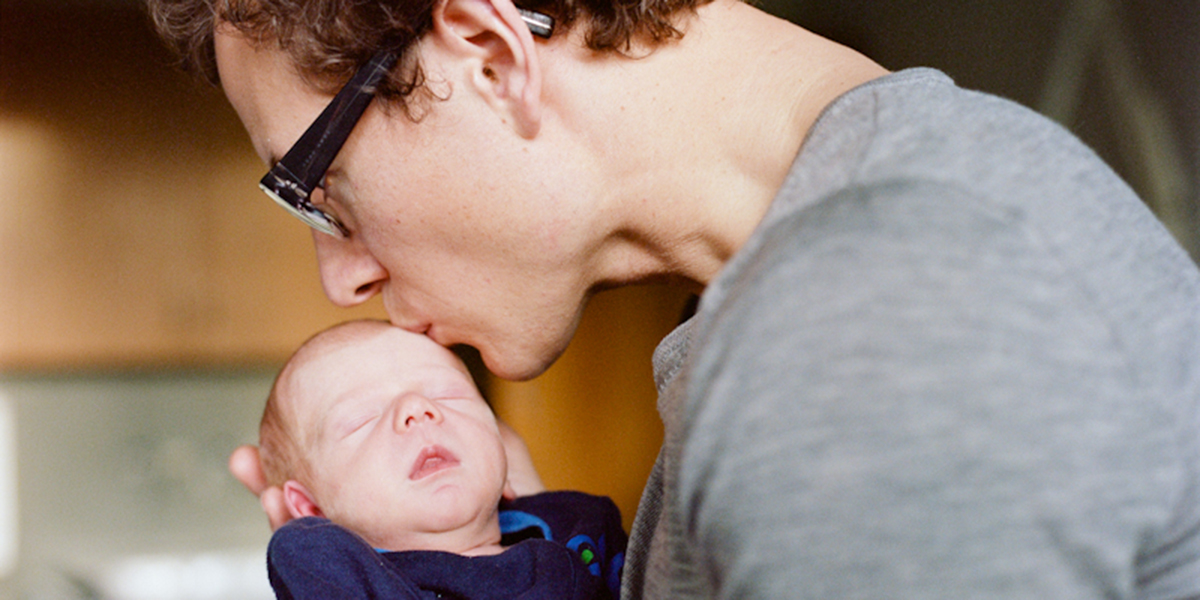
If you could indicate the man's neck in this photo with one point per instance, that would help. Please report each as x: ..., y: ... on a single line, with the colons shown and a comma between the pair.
x: 693, y: 139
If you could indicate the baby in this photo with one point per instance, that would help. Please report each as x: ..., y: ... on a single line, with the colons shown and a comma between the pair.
x: 394, y: 470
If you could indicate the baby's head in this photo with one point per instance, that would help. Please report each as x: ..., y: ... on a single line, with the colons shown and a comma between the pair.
x: 384, y: 432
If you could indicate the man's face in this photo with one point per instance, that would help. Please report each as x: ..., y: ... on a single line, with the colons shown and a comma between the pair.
x: 452, y: 220
x: 401, y: 447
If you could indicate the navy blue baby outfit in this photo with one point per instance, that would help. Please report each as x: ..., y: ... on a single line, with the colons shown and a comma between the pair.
x: 560, y: 546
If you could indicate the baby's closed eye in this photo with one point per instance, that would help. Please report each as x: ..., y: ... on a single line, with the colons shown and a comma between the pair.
x: 356, y: 424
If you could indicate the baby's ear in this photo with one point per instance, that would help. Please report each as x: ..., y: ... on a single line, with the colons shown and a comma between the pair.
x: 508, y: 493
x: 299, y: 500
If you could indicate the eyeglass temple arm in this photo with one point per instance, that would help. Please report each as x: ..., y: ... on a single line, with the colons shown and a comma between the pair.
x: 343, y: 112
x: 347, y: 110
x: 539, y: 24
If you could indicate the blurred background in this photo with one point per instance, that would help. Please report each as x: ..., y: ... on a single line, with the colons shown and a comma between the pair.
x: 148, y: 291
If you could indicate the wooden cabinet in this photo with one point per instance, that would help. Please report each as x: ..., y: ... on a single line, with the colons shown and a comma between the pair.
x: 131, y: 226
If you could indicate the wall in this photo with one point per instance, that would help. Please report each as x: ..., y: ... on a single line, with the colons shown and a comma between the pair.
x: 591, y: 421
x: 1122, y: 75
x: 123, y: 492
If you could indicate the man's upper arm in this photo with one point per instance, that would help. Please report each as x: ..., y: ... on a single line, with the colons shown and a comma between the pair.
x: 906, y: 395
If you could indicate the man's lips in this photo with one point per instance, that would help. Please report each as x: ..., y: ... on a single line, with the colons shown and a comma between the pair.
x: 431, y: 460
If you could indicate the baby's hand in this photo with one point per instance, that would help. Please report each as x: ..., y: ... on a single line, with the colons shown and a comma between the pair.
x: 245, y: 466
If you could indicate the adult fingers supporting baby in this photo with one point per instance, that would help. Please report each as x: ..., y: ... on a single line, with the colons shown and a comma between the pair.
x: 245, y: 466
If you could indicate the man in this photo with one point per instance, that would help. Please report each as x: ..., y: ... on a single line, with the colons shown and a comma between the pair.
x: 942, y: 351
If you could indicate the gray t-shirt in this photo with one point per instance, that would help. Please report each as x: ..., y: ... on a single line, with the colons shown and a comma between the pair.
x: 958, y: 359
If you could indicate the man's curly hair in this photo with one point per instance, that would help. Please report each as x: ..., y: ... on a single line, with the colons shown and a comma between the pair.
x: 328, y: 40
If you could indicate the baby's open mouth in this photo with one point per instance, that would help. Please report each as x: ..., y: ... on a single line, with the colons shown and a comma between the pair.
x: 431, y: 460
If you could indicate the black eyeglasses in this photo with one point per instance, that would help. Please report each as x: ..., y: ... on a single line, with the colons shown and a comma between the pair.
x: 292, y: 180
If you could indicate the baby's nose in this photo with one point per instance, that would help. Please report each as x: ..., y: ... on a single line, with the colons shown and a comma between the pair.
x: 413, y: 410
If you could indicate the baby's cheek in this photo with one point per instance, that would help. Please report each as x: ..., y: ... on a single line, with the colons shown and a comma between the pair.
x: 333, y: 494
x: 349, y: 512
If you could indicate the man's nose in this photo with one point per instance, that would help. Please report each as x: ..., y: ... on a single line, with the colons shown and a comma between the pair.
x: 350, y: 275
x: 412, y: 410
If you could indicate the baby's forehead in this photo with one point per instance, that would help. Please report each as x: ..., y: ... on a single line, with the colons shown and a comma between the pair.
x: 346, y: 337
x: 291, y: 404
x: 328, y: 369
x: 376, y: 337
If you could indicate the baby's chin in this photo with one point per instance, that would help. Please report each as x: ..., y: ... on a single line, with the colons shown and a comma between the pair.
x: 453, y: 532
x: 468, y: 545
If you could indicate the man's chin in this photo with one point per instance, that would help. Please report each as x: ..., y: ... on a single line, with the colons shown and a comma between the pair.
x: 517, y: 364
x: 517, y: 370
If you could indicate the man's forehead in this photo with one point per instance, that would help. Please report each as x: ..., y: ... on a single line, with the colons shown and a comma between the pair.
x: 272, y: 100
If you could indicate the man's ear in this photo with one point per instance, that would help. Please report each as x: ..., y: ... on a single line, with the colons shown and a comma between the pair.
x: 299, y: 500
x: 500, y: 53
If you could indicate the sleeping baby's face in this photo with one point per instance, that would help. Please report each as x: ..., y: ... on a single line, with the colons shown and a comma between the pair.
x: 402, y: 448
